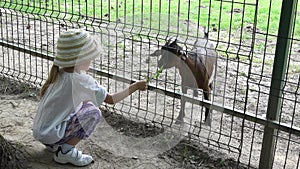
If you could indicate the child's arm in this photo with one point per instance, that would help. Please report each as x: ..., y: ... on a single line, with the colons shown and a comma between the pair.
x: 119, y: 96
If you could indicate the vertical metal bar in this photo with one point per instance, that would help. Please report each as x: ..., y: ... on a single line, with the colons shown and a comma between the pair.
x: 287, y: 19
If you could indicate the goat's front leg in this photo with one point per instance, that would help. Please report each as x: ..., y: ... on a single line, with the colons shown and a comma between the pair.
x: 181, y: 115
x: 207, y: 110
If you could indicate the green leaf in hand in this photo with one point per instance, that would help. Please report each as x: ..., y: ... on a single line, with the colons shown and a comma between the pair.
x: 156, y: 75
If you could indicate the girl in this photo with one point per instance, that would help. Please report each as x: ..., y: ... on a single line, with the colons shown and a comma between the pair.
x: 69, y: 108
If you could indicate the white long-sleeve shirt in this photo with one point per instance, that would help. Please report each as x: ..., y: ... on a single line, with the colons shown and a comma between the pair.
x: 60, y: 100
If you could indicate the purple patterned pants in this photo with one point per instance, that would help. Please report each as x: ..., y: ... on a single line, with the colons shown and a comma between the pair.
x: 81, y: 124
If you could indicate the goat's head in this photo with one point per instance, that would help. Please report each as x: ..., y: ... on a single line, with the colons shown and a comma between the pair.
x: 171, y: 54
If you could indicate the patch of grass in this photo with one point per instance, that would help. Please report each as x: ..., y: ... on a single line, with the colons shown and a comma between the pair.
x: 268, y: 62
x: 226, y: 15
x: 121, y: 45
x: 293, y: 68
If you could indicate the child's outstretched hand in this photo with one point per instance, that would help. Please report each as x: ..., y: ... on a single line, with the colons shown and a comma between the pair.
x: 118, y: 96
x: 141, y: 85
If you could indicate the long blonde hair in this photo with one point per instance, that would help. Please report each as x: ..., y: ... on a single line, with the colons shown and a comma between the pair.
x: 53, y: 76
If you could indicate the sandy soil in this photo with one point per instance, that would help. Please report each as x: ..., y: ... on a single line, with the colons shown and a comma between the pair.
x: 16, y: 118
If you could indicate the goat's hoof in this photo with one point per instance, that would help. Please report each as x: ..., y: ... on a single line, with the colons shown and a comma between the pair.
x: 207, y: 122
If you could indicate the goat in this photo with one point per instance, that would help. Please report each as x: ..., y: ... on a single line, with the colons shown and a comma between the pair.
x: 196, y: 68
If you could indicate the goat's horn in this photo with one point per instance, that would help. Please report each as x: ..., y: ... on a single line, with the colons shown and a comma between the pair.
x: 205, y: 33
x: 169, y: 40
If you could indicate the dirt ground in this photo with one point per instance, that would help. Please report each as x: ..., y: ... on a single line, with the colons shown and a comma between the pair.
x: 18, y: 104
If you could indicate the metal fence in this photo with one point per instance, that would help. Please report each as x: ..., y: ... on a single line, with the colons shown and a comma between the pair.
x: 255, y: 100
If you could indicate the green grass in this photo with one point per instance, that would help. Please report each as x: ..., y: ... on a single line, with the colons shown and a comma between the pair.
x: 233, y: 21
x: 220, y: 12
x: 294, y: 68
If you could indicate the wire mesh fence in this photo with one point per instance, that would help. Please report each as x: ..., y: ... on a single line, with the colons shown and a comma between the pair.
x: 245, y: 36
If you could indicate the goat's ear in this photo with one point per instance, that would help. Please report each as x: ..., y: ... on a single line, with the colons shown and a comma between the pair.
x: 156, y: 53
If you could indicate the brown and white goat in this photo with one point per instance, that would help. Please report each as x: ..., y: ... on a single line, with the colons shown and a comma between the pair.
x: 196, y: 68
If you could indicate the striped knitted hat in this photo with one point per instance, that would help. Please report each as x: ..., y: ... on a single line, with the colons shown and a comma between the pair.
x: 74, y: 47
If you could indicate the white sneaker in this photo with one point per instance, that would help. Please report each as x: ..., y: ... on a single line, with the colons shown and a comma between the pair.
x: 74, y: 157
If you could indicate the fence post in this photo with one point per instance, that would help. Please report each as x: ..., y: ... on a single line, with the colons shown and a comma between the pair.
x: 286, y: 24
